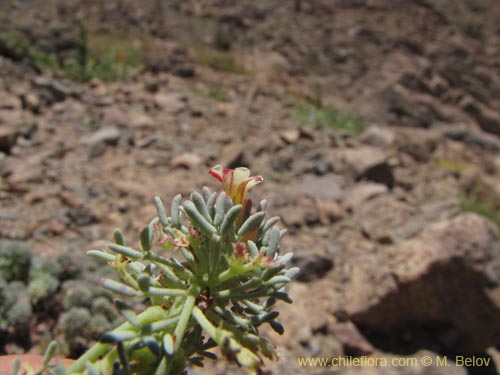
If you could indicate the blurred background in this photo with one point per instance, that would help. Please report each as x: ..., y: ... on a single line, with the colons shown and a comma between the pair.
x: 375, y: 124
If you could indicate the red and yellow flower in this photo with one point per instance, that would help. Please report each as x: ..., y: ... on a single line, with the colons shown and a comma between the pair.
x: 236, y: 182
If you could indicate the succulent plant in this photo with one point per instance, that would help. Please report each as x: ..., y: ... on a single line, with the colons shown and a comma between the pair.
x: 103, y: 306
x: 210, y: 273
x: 77, y: 293
x: 19, y: 310
x: 15, y: 260
x: 75, y: 323
x: 43, y: 286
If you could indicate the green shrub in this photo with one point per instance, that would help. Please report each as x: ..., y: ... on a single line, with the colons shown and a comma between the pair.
x: 218, y: 60
x: 102, y: 56
x: 480, y: 206
x: 453, y: 166
x: 216, y: 92
x: 320, y: 116
x: 34, y: 56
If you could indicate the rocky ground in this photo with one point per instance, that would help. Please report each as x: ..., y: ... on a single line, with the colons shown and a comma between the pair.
x: 392, y: 265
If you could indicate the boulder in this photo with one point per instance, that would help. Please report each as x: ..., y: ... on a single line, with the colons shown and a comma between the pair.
x: 440, y: 289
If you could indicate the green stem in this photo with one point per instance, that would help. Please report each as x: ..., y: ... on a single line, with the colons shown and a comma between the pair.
x: 150, y: 315
x: 231, y: 272
x: 184, y: 317
x: 202, y: 320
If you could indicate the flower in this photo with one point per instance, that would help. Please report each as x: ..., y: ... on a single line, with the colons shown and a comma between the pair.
x: 236, y: 181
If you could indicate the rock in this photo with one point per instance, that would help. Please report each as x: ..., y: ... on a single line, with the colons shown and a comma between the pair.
x: 10, y: 102
x: 290, y: 136
x: 139, y: 119
x: 70, y: 199
x: 378, y: 136
x: 312, y: 266
x: 495, y: 355
x: 429, y: 213
x: 322, y: 187
x: 186, y: 160
x: 114, y: 116
x: 31, y: 101
x: 413, y: 364
x: 487, y: 118
x: 8, y: 136
x: 226, y: 109
x: 472, y: 137
x: 233, y: 156
x: 361, y: 192
x: 419, y: 143
x: 369, y: 163
x: 382, y: 214
x: 421, y: 291
x: 292, y: 217
x: 308, y: 314
x: 353, y: 343
x: 58, y: 90
x: 25, y: 170
x: 170, y: 103
x: 329, y: 211
x: 107, y: 135
x: 183, y: 69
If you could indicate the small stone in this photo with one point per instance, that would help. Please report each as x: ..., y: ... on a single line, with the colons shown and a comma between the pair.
x: 171, y: 103
x: 8, y: 136
x: 58, y: 90
x: 290, y: 136
x: 378, y: 136
x: 107, y: 135
x: 114, y: 116
x: 150, y: 162
x: 70, y: 199
x: 329, y: 211
x: 487, y: 118
x: 362, y: 192
x: 368, y: 163
x: 11, y: 117
x: 33, y: 197
x: 57, y: 227
x: 10, y: 102
x: 226, y: 109
x: 323, y: 187
x: 31, y: 101
x: 95, y: 82
x: 186, y: 160
x: 139, y: 119
x: 292, y: 217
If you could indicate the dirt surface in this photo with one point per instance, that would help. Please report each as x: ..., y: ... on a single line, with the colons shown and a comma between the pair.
x: 80, y: 159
